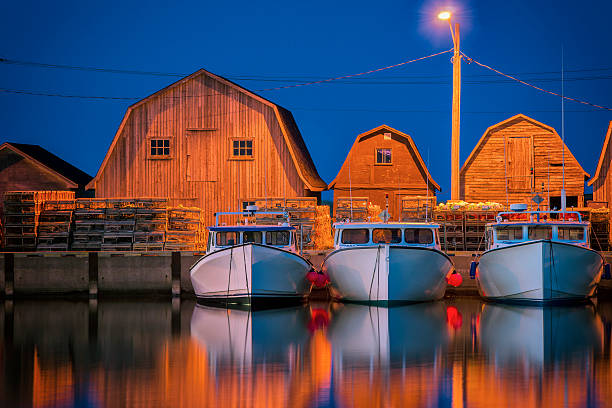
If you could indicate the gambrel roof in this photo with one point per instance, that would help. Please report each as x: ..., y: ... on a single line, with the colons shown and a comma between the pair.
x: 508, y: 122
x: 299, y: 152
x: 420, y: 163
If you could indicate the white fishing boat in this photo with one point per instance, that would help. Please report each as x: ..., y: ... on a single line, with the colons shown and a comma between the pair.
x: 249, y: 263
x: 538, y: 256
x: 386, y: 263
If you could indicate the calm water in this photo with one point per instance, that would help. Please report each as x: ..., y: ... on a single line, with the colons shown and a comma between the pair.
x: 453, y: 353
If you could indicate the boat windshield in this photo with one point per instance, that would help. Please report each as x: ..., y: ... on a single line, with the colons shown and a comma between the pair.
x: 418, y: 236
x: 355, y: 236
x: 506, y: 233
x: 251, y: 237
x: 540, y: 232
x: 225, y: 238
x: 387, y: 235
x: 278, y: 238
x: 570, y: 233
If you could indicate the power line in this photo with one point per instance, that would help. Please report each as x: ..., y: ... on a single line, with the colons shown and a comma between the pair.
x: 273, y: 78
x: 533, y: 86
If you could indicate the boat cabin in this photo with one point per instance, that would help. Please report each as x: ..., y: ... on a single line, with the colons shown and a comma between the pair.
x: 282, y: 236
x: 399, y: 234
x: 514, y: 228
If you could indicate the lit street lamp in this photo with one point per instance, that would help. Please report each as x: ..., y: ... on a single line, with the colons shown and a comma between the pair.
x: 446, y: 15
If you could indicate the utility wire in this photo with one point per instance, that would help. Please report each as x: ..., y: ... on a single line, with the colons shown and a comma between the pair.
x: 470, y: 60
x: 354, y: 75
x: 272, y: 78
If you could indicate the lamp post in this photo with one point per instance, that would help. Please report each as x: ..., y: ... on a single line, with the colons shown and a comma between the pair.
x: 446, y: 15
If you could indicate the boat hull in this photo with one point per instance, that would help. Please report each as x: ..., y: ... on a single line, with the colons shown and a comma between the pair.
x: 248, y: 273
x: 388, y: 274
x: 539, y: 271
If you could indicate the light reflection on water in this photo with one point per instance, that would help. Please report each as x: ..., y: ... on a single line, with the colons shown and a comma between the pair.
x: 453, y: 353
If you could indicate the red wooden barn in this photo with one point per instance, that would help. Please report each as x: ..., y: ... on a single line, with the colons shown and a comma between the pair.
x: 382, y: 162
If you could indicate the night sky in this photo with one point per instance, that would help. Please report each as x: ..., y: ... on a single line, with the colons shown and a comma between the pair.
x: 264, y: 44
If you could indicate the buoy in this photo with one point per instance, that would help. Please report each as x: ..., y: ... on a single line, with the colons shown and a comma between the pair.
x: 473, y: 267
x: 311, y: 276
x: 607, y: 274
x: 318, y: 279
x: 455, y: 279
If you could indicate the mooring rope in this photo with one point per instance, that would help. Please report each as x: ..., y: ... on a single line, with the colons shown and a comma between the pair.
x: 376, y: 263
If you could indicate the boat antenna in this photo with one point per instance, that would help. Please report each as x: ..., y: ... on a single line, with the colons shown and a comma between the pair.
x: 506, y: 174
x: 548, y: 188
x: 563, y: 196
x: 427, y: 186
x: 350, y: 186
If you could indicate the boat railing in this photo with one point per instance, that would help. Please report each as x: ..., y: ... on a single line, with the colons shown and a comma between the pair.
x: 538, y: 216
x: 250, y: 213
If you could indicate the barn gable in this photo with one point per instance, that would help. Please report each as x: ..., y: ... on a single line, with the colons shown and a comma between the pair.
x: 516, y: 158
x: 295, y: 144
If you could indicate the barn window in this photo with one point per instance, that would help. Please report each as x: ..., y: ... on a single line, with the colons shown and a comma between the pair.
x: 242, y: 149
x: 160, y: 147
x: 245, y: 204
x: 383, y: 156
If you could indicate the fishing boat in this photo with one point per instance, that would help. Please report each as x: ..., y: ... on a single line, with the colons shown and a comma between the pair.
x: 387, y: 263
x: 250, y: 263
x: 538, y: 256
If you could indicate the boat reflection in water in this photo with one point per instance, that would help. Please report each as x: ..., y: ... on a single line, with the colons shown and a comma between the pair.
x: 541, y: 356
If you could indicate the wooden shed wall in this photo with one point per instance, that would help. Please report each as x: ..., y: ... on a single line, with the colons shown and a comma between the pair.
x: 19, y: 173
x: 201, y: 116
x: 510, y: 152
x: 602, y: 185
x: 403, y: 177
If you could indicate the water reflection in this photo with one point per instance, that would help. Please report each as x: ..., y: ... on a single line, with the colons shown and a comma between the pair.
x: 452, y: 353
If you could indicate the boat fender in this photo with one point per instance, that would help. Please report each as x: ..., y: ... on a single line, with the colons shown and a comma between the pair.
x: 607, y: 274
x: 473, y: 267
x: 454, y: 279
x: 318, y: 279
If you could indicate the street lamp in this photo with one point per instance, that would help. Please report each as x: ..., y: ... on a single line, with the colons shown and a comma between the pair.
x: 446, y: 15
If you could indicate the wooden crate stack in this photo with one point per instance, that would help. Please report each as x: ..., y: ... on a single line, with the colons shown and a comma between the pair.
x: 119, y: 223
x: 474, y: 226
x: 54, y: 225
x: 600, y: 229
x: 88, y: 226
x: 150, y: 227
x: 417, y: 208
x: 21, y: 211
x: 184, y: 229
x: 452, y: 237
x: 301, y: 211
x: 359, y: 209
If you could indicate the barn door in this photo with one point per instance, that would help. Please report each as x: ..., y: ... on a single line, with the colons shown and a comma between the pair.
x: 519, y: 154
x: 201, y: 158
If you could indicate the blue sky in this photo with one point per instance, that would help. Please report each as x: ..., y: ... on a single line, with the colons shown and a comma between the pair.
x: 305, y: 41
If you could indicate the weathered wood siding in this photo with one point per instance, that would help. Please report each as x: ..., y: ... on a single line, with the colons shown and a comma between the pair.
x: 19, y: 173
x: 602, y: 181
x: 522, y: 156
x: 403, y: 177
x: 201, y: 117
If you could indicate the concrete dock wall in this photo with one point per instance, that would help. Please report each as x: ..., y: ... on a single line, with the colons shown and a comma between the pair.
x: 122, y: 273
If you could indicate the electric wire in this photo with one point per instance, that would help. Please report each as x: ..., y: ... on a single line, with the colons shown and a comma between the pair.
x: 470, y: 60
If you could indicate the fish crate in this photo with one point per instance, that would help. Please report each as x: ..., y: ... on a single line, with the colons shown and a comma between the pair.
x: 87, y: 204
x: 448, y: 215
x: 452, y: 236
x: 417, y: 208
x: 20, y: 243
x: 53, y: 242
x: 355, y: 209
x: 151, y: 203
x: 120, y: 203
x: 86, y: 241
x: 149, y: 241
x: 117, y: 241
x: 181, y: 241
x: 474, y: 243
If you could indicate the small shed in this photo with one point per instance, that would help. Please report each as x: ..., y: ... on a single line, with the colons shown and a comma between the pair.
x: 25, y: 167
x: 517, y: 158
x: 382, y: 162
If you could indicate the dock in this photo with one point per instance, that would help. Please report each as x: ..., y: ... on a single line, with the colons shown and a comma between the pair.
x: 149, y: 273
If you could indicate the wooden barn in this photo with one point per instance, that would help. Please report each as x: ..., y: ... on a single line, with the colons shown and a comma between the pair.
x: 382, y: 161
x: 517, y: 158
x: 206, y: 142
x: 602, y: 180
x: 25, y: 167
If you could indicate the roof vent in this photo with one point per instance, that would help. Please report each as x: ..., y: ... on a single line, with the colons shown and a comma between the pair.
x: 518, y: 207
